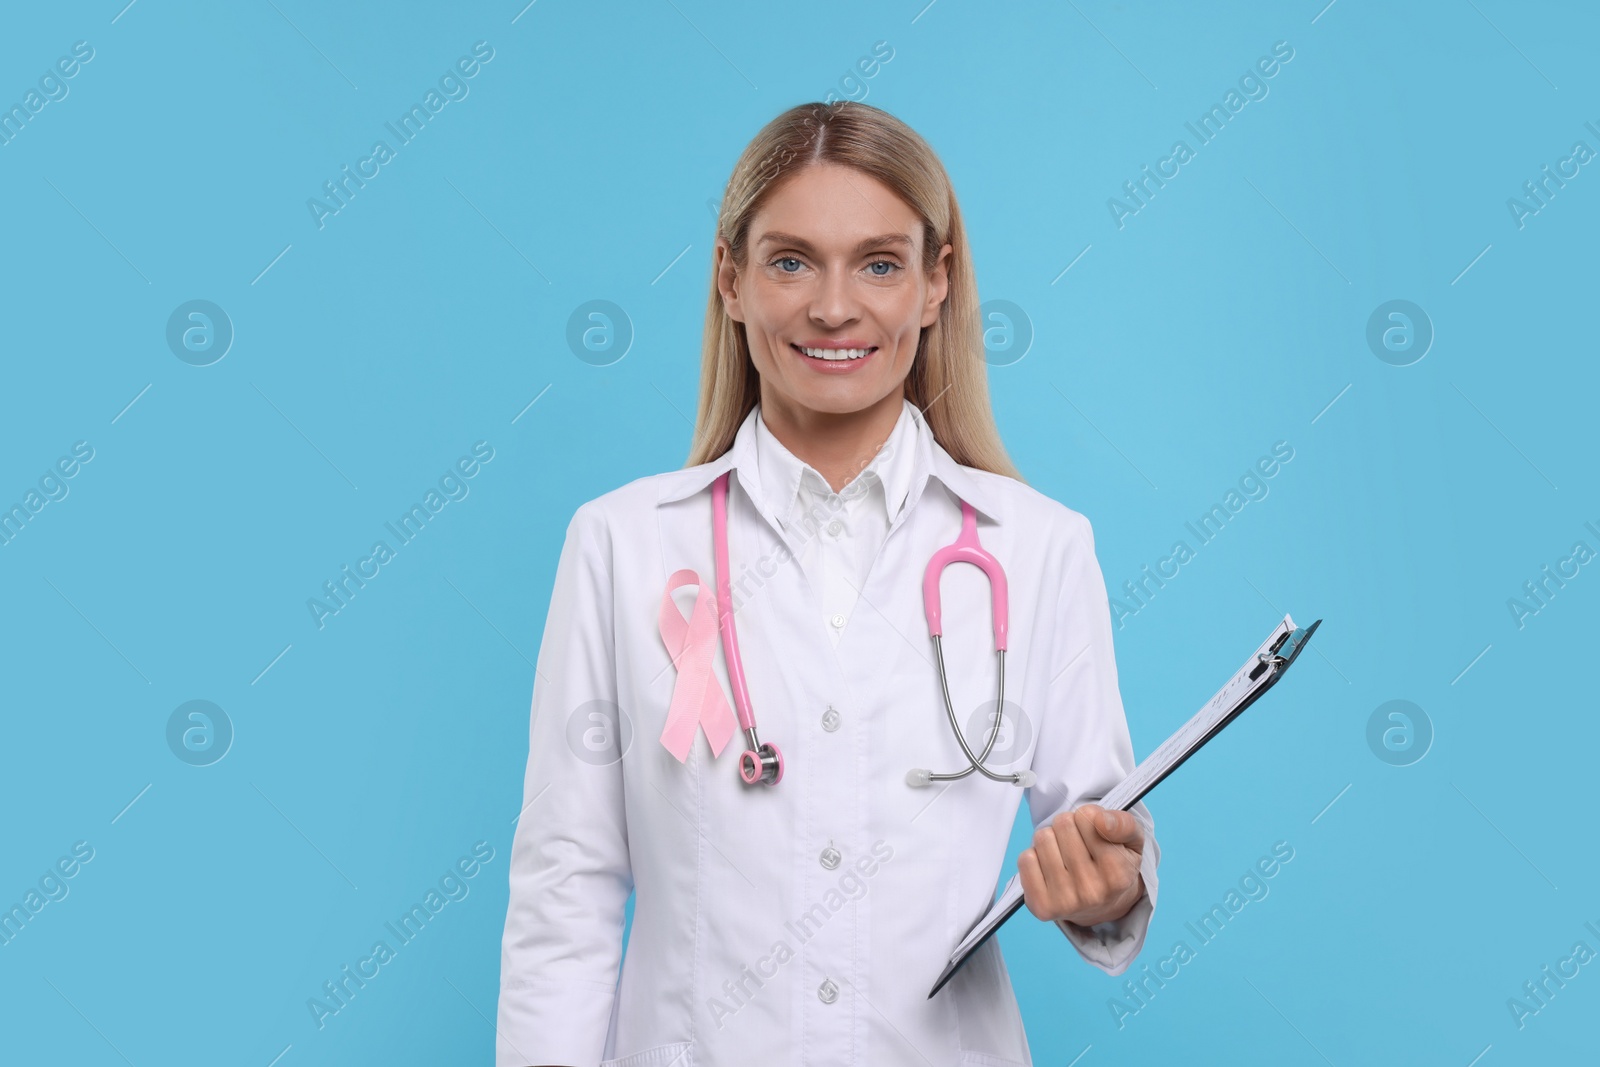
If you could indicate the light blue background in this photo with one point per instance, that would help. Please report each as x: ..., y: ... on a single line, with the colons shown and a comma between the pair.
x: 1227, y: 315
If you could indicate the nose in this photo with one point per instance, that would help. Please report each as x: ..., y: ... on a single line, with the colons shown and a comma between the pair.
x: 834, y: 303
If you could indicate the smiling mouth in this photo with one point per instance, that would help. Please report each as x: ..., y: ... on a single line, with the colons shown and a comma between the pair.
x: 835, y: 355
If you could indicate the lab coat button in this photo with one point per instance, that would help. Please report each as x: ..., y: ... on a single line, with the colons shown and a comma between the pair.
x: 830, y: 719
x: 837, y: 621
x: 830, y: 857
x: 827, y: 992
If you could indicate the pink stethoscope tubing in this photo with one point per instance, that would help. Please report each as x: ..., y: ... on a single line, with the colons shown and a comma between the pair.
x: 762, y: 763
x: 967, y: 549
x: 758, y: 763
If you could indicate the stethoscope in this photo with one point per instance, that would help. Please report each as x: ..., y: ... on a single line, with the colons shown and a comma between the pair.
x: 761, y: 763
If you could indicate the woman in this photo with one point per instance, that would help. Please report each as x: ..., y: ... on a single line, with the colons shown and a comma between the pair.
x: 843, y: 396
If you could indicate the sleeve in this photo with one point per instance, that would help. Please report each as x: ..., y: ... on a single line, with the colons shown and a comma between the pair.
x: 570, y: 872
x: 1084, y: 748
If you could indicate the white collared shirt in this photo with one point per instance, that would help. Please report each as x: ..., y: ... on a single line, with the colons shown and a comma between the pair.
x: 802, y: 922
x: 837, y: 534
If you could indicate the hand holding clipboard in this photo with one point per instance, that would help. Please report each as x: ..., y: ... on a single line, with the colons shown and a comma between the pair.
x: 1259, y: 673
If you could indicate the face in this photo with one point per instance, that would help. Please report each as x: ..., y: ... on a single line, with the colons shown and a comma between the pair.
x: 832, y: 296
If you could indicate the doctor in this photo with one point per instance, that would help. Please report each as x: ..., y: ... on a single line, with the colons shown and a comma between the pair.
x: 803, y: 922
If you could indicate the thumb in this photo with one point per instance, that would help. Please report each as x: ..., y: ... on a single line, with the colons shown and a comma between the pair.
x: 1118, y: 826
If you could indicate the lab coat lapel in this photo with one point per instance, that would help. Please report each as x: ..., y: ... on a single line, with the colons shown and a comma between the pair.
x: 740, y: 458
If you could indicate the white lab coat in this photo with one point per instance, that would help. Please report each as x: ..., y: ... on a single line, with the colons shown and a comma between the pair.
x: 801, y: 923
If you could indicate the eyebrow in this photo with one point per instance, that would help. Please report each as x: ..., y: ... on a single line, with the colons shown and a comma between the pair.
x: 776, y: 237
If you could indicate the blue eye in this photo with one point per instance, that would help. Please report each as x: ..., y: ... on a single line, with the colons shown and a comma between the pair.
x: 883, y: 263
x: 786, y: 259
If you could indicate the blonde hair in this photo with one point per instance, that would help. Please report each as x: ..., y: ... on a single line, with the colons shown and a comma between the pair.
x: 948, y: 378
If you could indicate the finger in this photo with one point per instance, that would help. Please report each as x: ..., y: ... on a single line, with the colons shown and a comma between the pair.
x: 1070, y: 833
x: 1058, y: 885
x: 1116, y: 862
x: 1094, y: 822
x: 1121, y: 828
x: 1111, y: 835
x: 1035, y: 894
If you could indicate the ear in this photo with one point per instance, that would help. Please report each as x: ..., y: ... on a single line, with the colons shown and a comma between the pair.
x: 938, y: 287
x: 727, y: 279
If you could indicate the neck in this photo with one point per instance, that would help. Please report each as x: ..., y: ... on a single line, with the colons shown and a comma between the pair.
x: 838, y: 444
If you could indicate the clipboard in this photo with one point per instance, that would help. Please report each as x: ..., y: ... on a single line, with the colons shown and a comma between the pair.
x: 1260, y: 672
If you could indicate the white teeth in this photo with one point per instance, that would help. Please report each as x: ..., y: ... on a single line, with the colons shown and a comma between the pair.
x: 835, y: 353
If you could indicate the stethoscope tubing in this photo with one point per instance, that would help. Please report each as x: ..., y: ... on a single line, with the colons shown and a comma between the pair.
x: 976, y: 763
x: 762, y: 763
x: 759, y: 763
x: 730, y: 639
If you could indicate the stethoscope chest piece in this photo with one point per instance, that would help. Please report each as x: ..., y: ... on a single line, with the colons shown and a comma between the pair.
x: 762, y: 765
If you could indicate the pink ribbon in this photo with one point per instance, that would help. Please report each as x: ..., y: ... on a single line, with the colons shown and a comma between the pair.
x: 696, y: 696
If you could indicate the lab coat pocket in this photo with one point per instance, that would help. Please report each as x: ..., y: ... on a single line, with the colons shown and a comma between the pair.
x: 983, y: 1059
x: 673, y: 1055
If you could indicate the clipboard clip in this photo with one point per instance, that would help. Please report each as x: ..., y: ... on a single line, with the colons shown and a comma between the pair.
x: 1284, y: 650
x: 1293, y: 644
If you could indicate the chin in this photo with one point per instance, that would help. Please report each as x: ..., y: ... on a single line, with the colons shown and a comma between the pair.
x: 840, y: 402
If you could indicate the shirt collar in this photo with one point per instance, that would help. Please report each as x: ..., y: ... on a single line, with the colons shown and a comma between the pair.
x: 928, y: 459
x: 784, y: 475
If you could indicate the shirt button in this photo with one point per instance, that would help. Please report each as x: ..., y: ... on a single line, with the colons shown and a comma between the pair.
x: 830, y: 719
x: 837, y: 621
x: 827, y: 992
x: 830, y: 857
x: 835, y: 527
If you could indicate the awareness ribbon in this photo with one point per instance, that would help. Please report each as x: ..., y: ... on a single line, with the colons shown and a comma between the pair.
x: 696, y: 696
